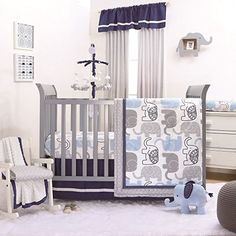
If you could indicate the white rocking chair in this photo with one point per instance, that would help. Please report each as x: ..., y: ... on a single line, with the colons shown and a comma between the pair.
x: 21, y: 170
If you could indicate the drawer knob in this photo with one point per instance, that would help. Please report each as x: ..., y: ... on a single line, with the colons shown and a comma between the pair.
x: 208, y: 156
x: 209, y: 123
x: 208, y: 140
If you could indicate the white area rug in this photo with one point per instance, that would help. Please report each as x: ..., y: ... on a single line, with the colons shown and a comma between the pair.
x: 116, y: 218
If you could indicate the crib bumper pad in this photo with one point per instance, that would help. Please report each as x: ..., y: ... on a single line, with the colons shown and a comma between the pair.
x: 79, y: 145
x: 221, y: 105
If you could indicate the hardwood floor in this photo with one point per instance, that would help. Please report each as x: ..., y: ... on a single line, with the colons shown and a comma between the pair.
x: 213, y: 177
x: 215, y: 181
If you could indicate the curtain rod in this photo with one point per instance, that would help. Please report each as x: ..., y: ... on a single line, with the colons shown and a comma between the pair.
x: 167, y: 4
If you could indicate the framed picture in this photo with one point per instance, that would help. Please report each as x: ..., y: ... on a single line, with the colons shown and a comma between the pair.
x: 24, y: 68
x: 23, y: 36
x: 190, y: 45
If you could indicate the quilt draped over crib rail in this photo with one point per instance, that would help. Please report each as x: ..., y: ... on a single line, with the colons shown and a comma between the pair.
x: 158, y: 145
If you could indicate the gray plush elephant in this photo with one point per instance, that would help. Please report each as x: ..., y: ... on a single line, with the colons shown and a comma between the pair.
x: 197, y: 39
x: 189, y: 195
x: 150, y: 172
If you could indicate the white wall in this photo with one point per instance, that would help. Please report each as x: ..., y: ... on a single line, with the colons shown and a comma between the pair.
x: 61, y: 39
x: 216, y: 63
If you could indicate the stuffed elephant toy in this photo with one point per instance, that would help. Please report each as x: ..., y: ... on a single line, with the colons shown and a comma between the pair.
x: 189, y: 194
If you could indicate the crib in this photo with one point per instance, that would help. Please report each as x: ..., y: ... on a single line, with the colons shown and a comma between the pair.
x: 79, y: 135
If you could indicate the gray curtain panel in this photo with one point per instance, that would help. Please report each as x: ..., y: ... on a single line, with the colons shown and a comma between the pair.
x: 117, y: 56
x: 150, y: 63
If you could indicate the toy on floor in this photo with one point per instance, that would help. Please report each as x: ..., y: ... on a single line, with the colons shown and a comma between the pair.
x: 70, y: 207
x: 189, y: 194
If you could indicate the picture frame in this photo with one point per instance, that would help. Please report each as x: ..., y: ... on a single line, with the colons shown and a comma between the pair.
x: 23, y: 68
x: 190, y: 44
x: 23, y: 36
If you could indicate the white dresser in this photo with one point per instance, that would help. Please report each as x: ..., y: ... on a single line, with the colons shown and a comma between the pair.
x: 221, y: 141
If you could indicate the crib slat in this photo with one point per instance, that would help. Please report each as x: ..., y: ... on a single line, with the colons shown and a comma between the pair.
x: 52, y: 131
x: 84, y: 114
x: 63, y: 138
x: 73, y: 130
x: 95, y: 140
x: 106, y: 141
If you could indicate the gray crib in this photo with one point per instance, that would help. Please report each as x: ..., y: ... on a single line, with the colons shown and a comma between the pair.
x: 89, y: 124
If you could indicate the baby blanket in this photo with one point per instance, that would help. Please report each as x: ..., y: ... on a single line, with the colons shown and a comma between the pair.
x: 158, y: 145
x: 28, y: 182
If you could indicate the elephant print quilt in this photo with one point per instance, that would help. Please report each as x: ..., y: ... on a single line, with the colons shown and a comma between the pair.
x: 159, y: 145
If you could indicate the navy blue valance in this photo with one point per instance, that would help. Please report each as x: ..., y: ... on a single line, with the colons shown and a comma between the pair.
x: 150, y: 16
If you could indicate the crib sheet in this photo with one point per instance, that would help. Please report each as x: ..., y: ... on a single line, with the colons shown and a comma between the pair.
x: 79, y: 145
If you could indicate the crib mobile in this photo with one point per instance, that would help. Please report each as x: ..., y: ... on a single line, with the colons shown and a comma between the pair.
x: 94, y: 82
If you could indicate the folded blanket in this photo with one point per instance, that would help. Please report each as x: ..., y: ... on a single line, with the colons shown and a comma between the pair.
x: 28, y: 182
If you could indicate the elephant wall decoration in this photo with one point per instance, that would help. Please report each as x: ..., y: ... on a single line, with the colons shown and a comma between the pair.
x: 189, y: 195
x: 190, y: 44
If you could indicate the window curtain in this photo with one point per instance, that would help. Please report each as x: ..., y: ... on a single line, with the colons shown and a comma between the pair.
x: 116, y: 23
x: 117, y: 56
x: 150, y: 16
x: 150, y: 63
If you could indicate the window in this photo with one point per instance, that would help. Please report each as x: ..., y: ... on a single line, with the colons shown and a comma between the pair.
x: 133, y: 63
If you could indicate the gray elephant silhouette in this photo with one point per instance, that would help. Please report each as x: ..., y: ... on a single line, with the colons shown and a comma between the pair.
x: 131, y: 162
x: 133, y: 144
x: 148, y: 128
x: 191, y: 153
x: 150, y: 111
x: 170, y: 119
x: 190, y: 173
x: 190, y: 111
x: 150, y: 172
x: 131, y: 118
x: 189, y: 128
x: 172, y: 163
x: 197, y: 39
x: 151, y: 153
x: 171, y: 144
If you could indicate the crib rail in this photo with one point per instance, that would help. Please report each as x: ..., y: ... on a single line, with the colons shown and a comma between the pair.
x: 75, y: 115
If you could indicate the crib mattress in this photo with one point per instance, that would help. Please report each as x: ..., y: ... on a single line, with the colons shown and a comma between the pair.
x: 79, y: 145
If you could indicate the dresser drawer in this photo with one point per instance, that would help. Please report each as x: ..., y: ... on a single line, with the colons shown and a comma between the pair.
x: 221, y: 159
x: 221, y: 140
x: 221, y: 121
